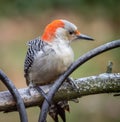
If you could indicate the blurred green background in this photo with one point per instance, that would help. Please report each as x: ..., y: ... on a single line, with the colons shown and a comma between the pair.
x: 21, y: 21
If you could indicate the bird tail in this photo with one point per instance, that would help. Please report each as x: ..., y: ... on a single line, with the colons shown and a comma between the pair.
x: 59, y: 109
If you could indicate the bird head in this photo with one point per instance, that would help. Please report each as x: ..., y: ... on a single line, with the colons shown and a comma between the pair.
x: 63, y: 30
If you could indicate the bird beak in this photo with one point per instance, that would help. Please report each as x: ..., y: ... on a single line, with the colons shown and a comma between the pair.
x: 85, y: 37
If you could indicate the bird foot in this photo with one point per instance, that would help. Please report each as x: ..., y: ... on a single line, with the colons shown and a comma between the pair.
x: 72, y: 83
x: 74, y: 87
x: 33, y: 89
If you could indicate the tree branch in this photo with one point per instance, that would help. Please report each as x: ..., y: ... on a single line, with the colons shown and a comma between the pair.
x: 84, y: 58
x: 103, y: 83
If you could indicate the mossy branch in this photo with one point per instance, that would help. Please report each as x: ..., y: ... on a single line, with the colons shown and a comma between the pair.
x: 103, y: 83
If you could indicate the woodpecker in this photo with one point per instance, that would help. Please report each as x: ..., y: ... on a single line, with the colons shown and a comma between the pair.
x: 49, y: 56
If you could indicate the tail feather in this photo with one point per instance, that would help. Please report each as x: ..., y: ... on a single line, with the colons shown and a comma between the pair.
x: 59, y: 109
x: 61, y: 113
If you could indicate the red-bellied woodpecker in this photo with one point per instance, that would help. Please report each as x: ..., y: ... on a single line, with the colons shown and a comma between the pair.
x: 50, y: 56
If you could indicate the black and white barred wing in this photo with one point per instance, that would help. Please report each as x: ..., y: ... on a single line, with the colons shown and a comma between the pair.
x: 34, y: 46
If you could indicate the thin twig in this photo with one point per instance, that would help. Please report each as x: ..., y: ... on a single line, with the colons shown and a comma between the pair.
x: 20, y: 105
x: 109, y: 67
x: 77, y: 63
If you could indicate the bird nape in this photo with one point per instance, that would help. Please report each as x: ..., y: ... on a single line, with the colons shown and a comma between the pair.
x: 49, y: 56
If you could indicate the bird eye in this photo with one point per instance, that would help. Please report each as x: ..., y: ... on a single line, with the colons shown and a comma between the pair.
x: 71, y: 32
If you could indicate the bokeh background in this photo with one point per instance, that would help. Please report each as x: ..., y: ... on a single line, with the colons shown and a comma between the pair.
x: 23, y: 20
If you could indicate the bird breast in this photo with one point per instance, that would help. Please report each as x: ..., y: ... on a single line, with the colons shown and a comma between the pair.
x: 64, y: 57
x: 47, y: 68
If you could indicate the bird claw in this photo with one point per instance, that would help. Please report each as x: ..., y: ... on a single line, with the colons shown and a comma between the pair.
x: 75, y: 100
x: 73, y: 84
x: 32, y: 91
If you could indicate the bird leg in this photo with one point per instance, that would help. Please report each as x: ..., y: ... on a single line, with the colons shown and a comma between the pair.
x: 72, y: 83
x: 74, y: 86
x: 39, y: 89
x: 33, y: 88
